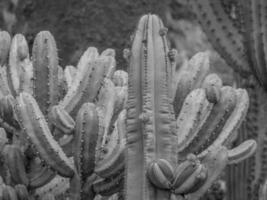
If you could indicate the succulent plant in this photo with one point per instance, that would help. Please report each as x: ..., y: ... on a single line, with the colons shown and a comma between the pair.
x: 237, y: 31
x: 80, y: 132
x: 168, y: 156
x: 53, y: 142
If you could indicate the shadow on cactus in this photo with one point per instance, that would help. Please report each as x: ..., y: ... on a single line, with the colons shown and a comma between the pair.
x: 86, y: 131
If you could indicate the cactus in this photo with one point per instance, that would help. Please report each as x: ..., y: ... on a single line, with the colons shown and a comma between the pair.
x: 106, y: 133
x: 222, y: 32
x: 15, y: 160
x: 40, y: 144
x: 5, y: 41
x: 18, y: 62
x: 45, y: 71
x: 151, y: 129
x: 237, y: 31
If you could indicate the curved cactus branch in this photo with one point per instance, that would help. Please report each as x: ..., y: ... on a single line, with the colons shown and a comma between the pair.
x: 36, y: 128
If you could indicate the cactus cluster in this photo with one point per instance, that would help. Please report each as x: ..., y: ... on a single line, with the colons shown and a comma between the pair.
x: 180, y: 122
x: 63, y: 130
x: 86, y: 131
x: 237, y: 31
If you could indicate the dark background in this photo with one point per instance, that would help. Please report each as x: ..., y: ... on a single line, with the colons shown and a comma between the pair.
x: 78, y: 24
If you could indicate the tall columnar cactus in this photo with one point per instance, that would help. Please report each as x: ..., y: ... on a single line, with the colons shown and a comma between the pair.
x: 169, y: 157
x: 237, y: 31
x: 150, y: 119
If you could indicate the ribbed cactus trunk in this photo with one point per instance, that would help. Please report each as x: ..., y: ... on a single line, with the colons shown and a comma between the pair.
x: 150, y: 117
x: 244, y: 180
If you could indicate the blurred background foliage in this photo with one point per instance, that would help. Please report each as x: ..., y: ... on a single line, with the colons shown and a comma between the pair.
x: 77, y: 24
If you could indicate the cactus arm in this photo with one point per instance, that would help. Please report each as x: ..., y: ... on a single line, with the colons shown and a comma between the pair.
x: 242, y: 152
x: 229, y: 130
x: 19, y: 51
x: 235, y: 120
x: 200, y: 64
x: 105, y: 108
x: 36, y: 128
x: 80, y: 81
x: 45, y: 71
x: 57, y: 186
x: 89, y: 55
x: 114, y: 160
x: 215, y: 161
x: 214, y: 123
x: 120, y: 102
x: 255, y: 35
x: 15, y: 161
x: 88, y: 86
x: 189, y: 77
x: 194, y: 112
x: 5, y: 41
x: 85, y: 140
x: 223, y: 34
x: 4, y: 86
x: 111, y: 66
